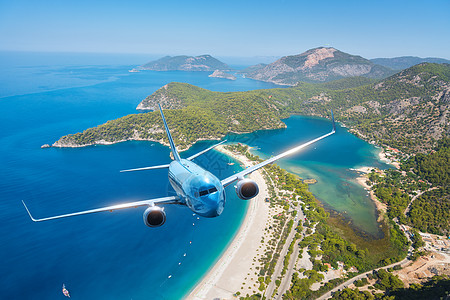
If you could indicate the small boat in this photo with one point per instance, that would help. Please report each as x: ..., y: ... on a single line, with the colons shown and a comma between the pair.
x: 65, y: 291
x: 231, y: 163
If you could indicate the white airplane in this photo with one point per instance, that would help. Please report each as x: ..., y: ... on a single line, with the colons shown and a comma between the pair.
x: 195, y: 187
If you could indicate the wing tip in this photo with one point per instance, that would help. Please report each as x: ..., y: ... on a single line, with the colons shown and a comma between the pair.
x: 28, y: 211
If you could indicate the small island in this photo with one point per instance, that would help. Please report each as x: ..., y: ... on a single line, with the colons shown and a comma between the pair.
x: 184, y: 63
x: 310, y: 181
x: 222, y: 74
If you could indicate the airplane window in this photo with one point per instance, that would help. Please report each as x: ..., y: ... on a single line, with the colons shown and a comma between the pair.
x: 203, y: 193
x: 214, y: 189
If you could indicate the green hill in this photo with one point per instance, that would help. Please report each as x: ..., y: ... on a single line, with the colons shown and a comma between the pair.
x: 409, y: 110
x: 194, y: 114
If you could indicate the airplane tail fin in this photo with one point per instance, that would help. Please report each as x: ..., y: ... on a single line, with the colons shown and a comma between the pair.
x: 176, y: 156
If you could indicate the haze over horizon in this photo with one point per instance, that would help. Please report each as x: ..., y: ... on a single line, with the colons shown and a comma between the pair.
x: 231, y: 29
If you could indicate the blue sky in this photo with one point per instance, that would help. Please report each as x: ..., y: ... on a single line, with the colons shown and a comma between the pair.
x: 227, y: 28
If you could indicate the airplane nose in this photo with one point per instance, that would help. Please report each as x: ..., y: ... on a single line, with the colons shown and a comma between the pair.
x: 215, y: 208
x: 213, y: 211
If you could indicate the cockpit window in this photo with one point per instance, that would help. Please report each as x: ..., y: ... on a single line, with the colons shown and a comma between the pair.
x: 206, y: 192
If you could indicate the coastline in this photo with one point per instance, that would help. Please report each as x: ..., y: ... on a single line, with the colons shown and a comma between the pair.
x: 231, y: 270
x: 381, y: 207
x: 57, y: 144
x: 362, y: 180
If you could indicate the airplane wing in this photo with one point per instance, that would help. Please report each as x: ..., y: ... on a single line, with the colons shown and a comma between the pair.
x: 146, y: 168
x: 206, y: 150
x: 231, y: 179
x: 149, y: 202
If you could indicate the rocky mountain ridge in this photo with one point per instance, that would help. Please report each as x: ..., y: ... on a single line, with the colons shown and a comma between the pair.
x: 316, y: 65
x: 404, y: 62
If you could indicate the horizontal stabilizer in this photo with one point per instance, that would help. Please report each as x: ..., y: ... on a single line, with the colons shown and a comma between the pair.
x: 146, y: 168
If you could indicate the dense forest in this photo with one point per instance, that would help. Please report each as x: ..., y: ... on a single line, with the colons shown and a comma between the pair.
x: 434, y: 167
x: 430, y: 210
x: 435, y: 289
x: 202, y: 115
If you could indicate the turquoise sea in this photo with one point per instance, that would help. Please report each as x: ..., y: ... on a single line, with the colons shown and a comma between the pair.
x: 114, y: 255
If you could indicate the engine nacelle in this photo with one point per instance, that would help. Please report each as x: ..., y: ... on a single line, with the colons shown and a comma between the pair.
x: 154, y: 216
x: 246, y: 189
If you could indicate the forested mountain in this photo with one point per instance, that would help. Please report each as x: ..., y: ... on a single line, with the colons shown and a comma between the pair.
x: 418, y: 194
x: 409, y: 110
x: 185, y: 63
x: 316, y: 65
x: 404, y: 62
x: 194, y: 114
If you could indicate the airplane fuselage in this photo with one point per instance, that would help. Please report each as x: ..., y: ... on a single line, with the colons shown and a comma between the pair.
x: 202, y: 192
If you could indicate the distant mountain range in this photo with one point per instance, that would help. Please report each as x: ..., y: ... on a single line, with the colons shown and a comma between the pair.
x: 404, y: 62
x: 316, y: 65
x: 321, y: 64
x: 185, y: 63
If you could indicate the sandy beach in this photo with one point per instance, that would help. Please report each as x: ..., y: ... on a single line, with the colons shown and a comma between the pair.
x: 362, y: 180
x: 383, y: 157
x: 235, y: 266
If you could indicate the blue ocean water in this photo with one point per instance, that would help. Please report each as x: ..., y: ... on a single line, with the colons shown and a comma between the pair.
x: 114, y: 255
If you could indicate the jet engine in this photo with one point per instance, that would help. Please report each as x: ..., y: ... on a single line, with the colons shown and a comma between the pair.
x: 154, y: 216
x: 246, y: 189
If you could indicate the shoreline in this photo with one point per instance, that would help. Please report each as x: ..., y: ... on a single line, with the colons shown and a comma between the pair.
x: 105, y: 143
x: 361, y: 180
x: 230, y: 271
